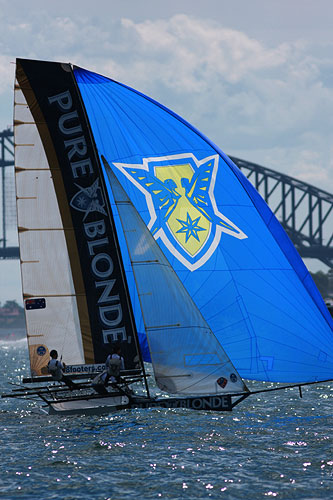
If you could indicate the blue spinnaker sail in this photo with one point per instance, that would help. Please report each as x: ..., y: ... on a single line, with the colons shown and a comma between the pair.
x: 221, y: 238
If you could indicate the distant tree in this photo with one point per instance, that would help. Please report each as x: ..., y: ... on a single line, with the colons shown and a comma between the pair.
x: 12, y: 304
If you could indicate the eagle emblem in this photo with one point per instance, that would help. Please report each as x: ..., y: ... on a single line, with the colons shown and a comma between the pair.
x: 179, y: 193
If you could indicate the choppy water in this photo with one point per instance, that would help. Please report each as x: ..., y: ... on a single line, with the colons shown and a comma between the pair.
x: 273, y: 445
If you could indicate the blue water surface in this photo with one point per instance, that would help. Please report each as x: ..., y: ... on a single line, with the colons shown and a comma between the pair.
x: 274, y: 445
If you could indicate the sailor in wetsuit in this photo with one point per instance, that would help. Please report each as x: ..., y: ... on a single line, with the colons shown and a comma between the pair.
x: 56, y: 367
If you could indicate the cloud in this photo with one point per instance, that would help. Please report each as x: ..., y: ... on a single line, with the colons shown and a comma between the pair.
x: 6, y: 74
x: 243, y: 94
x: 201, y: 51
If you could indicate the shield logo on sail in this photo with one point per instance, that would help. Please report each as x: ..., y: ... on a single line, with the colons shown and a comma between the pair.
x: 179, y: 192
x: 89, y: 199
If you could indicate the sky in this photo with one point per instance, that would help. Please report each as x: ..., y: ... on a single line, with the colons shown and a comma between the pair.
x: 255, y: 76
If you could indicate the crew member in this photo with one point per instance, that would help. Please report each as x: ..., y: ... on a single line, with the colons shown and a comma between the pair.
x: 114, y: 363
x: 56, y: 367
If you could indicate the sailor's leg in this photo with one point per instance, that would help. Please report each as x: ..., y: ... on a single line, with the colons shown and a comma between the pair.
x: 100, y: 389
x: 68, y: 381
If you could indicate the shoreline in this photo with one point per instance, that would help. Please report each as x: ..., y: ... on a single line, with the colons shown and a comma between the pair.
x: 12, y: 334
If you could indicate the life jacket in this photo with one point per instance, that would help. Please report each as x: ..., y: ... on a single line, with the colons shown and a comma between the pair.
x: 55, y: 370
x: 113, y: 367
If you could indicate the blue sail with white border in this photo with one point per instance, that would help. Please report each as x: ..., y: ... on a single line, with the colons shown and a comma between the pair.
x: 220, y: 237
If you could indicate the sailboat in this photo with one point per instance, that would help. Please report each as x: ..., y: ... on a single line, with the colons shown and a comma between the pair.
x: 135, y: 229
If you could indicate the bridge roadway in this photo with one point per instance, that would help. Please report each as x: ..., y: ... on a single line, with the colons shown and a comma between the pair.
x: 305, y: 211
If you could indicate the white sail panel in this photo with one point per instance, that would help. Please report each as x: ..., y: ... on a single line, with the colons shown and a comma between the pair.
x: 36, y: 192
x: 45, y: 266
x: 187, y: 358
x: 29, y: 153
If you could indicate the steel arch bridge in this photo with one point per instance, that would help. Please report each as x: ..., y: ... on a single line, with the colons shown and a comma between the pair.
x: 305, y: 211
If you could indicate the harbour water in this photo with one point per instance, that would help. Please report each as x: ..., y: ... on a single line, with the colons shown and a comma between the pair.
x: 274, y: 445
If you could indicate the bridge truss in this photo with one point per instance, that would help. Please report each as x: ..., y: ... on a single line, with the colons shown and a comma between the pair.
x: 305, y: 211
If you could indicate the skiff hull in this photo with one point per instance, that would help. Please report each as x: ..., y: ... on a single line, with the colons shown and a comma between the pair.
x: 106, y: 405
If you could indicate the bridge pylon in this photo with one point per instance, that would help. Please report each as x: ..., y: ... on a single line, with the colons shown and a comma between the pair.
x: 8, y: 208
